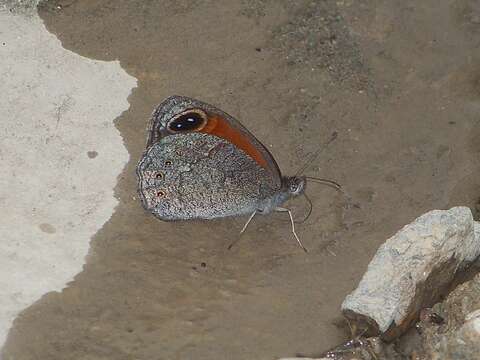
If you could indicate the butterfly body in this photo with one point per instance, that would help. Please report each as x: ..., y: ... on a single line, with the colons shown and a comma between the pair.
x: 201, y: 163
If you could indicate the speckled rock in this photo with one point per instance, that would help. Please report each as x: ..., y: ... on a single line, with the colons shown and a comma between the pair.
x: 458, y: 336
x: 359, y: 348
x: 463, y: 344
x: 411, y: 270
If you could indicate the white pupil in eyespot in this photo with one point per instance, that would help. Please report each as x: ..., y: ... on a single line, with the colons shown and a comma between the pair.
x: 179, y: 126
x: 191, y: 120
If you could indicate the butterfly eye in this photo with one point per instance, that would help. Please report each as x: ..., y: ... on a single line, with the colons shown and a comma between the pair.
x: 190, y: 120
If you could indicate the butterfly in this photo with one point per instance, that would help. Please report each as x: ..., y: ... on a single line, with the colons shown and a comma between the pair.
x: 201, y: 163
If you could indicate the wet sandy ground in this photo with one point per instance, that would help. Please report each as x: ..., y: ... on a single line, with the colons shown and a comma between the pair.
x: 398, y: 81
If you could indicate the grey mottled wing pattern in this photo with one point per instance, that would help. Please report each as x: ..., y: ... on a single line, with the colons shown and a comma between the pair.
x: 176, y: 104
x: 197, y: 175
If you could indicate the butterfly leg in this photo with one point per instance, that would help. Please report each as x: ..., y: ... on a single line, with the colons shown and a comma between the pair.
x: 243, y: 229
x: 248, y: 222
x: 280, y: 209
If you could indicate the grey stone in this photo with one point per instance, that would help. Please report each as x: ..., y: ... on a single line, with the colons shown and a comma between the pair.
x: 411, y: 270
x: 55, y: 106
x: 27, y: 7
x: 458, y: 336
x: 359, y: 348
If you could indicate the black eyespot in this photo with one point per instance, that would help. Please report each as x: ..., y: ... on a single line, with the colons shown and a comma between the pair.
x: 161, y: 193
x: 159, y: 176
x: 189, y: 121
x: 168, y: 162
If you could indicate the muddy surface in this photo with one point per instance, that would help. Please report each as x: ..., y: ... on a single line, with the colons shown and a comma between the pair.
x: 398, y: 81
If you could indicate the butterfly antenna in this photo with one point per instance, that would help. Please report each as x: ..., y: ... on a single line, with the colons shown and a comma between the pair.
x: 310, y: 208
x: 332, y: 184
x: 315, y: 154
x: 327, y: 182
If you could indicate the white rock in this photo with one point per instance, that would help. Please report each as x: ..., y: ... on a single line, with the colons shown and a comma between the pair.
x: 55, y: 107
x: 412, y: 269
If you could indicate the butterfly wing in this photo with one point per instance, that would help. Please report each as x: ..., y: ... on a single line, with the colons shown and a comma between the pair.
x: 199, y: 175
x: 209, y: 120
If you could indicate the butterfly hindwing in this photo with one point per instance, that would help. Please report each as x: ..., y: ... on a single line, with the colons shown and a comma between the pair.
x: 199, y: 175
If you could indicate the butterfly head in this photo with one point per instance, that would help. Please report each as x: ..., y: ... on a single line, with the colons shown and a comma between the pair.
x: 295, y: 185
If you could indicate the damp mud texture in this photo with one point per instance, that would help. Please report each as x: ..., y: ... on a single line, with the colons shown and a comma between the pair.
x: 398, y: 81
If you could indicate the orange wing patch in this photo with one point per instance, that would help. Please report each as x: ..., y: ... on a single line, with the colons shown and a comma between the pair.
x: 220, y: 127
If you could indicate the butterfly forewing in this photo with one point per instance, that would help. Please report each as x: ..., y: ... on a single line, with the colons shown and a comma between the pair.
x: 218, y: 123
